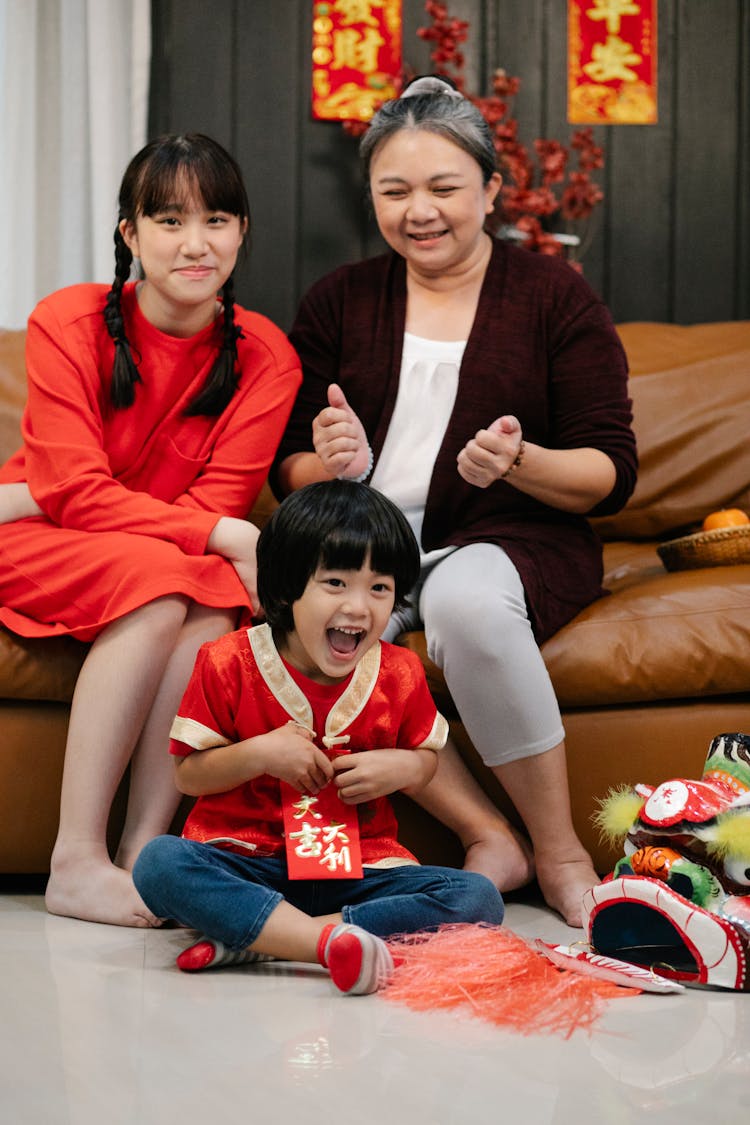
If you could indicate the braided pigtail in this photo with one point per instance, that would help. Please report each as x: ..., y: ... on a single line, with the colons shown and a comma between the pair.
x: 124, y: 371
x: 222, y: 381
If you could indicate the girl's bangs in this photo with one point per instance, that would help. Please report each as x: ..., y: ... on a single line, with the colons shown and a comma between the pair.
x: 345, y: 548
x: 181, y: 179
x: 350, y: 547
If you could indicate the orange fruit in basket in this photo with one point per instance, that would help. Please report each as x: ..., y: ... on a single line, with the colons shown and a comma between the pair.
x: 725, y: 517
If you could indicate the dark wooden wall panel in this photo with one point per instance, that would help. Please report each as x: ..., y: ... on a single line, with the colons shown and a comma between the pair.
x: 638, y: 233
x: 271, y: 43
x: 742, y: 272
x: 192, y: 69
x: 516, y: 43
x: 670, y: 242
x: 706, y: 134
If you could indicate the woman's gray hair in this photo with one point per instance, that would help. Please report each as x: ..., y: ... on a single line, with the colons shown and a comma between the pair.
x: 435, y: 106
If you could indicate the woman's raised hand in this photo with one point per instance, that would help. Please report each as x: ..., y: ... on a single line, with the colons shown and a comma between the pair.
x: 339, y: 437
x: 236, y: 540
x: 491, y: 452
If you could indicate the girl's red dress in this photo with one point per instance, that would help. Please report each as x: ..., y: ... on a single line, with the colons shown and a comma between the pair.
x: 131, y: 496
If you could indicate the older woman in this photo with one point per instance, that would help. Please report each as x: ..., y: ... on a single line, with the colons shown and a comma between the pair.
x: 482, y: 388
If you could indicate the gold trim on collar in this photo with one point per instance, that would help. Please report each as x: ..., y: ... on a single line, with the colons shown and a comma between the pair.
x: 352, y: 702
x: 277, y: 679
x: 292, y: 698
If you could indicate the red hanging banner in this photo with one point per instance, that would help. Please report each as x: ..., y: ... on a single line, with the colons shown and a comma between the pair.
x: 356, y: 57
x: 612, y: 62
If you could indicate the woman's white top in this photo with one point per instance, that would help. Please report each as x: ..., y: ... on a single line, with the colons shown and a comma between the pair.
x: 426, y: 394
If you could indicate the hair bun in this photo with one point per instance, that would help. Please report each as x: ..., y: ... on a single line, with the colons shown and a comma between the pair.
x: 431, y: 84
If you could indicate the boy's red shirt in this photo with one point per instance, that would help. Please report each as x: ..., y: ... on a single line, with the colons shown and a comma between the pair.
x: 240, y: 688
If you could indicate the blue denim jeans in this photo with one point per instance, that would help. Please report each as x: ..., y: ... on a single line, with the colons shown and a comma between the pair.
x: 229, y: 897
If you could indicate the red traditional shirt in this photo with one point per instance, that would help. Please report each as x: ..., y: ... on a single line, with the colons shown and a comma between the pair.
x: 241, y: 688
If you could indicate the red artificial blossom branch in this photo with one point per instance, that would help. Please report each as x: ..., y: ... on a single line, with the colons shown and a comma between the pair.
x: 536, y: 189
x: 446, y: 32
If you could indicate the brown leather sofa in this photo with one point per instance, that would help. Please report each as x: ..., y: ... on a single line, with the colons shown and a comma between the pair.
x: 645, y: 677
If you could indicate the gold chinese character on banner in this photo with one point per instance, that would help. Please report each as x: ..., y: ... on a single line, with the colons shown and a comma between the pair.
x: 357, y: 50
x: 612, y: 60
x: 612, y: 11
x: 357, y: 11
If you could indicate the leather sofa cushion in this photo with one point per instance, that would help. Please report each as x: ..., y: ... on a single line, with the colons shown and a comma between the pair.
x: 658, y: 636
x: 691, y: 411
x: 12, y: 390
x: 39, y: 669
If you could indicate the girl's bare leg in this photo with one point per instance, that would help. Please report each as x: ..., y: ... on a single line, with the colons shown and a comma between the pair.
x: 119, y: 685
x: 114, y: 693
x: 152, y: 797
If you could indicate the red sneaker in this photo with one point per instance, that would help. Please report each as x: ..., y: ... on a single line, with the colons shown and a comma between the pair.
x: 210, y: 954
x: 359, y: 962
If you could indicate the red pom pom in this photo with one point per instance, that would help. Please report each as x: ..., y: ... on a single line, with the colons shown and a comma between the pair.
x: 495, y: 975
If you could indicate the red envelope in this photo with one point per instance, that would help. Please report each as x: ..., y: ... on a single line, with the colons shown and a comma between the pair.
x: 321, y: 835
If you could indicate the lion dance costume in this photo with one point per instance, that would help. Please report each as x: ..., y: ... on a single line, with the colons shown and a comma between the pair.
x: 679, y: 900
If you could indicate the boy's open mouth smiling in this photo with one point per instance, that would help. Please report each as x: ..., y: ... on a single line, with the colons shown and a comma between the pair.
x: 345, y: 640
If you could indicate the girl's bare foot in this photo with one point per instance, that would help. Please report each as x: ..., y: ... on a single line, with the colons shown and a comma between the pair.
x: 564, y: 882
x: 504, y: 856
x: 96, y: 891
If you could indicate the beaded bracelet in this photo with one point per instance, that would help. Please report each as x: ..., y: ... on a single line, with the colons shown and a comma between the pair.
x: 362, y: 476
x: 517, y: 462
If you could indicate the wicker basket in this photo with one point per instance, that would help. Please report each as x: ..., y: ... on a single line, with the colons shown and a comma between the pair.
x: 726, y: 546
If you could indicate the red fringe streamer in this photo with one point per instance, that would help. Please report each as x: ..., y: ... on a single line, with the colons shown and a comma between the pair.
x: 494, y: 975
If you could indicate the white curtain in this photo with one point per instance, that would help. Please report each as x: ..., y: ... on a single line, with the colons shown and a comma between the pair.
x: 73, y: 110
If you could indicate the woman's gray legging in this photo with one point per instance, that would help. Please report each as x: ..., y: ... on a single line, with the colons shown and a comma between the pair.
x: 472, y: 605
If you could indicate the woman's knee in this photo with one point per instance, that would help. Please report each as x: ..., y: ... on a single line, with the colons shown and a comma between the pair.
x: 160, y: 620
x: 474, y: 593
x: 473, y: 627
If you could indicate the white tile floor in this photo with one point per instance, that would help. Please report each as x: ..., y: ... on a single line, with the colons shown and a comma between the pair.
x: 99, y: 1028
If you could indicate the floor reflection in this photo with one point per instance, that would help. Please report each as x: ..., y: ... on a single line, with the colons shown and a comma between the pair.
x: 101, y: 1029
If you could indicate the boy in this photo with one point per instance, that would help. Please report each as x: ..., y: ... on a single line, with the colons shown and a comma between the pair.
x: 290, y: 735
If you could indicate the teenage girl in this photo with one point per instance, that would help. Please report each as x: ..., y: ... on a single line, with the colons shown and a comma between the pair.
x: 154, y: 409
